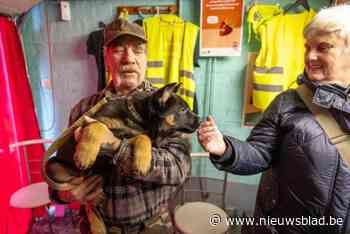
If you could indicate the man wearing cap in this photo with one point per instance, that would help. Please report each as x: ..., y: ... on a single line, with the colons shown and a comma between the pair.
x: 133, y: 204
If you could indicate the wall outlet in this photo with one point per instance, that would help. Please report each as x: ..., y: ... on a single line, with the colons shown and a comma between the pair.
x: 65, y: 11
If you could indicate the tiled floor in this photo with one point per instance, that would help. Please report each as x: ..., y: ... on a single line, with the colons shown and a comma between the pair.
x: 64, y: 225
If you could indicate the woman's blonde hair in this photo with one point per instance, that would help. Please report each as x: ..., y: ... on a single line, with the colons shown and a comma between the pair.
x: 331, y: 20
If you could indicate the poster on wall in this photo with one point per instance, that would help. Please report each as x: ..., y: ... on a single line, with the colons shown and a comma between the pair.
x: 221, y: 28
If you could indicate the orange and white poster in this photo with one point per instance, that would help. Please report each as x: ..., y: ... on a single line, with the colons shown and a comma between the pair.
x: 221, y: 27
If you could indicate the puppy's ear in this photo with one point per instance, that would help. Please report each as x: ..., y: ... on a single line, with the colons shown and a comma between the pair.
x: 165, y: 93
x: 177, y: 87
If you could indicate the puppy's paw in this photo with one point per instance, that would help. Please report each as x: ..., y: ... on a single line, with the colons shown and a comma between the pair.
x: 142, y: 149
x: 88, y: 147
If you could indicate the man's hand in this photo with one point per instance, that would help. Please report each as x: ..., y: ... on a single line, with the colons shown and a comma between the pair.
x: 211, y: 138
x: 86, y: 191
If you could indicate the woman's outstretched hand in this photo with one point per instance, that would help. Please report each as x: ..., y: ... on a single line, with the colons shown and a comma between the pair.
x: 210, y: 137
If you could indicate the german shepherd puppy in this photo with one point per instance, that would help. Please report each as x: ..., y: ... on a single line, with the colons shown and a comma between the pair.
x: 144, y: 119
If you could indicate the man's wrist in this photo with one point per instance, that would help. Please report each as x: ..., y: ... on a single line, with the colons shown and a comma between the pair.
x: 111, y: 147
x: 122, y: 147
x: 116, y: 144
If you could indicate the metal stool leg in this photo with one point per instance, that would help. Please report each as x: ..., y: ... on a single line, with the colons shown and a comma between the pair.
x: 49, y: 216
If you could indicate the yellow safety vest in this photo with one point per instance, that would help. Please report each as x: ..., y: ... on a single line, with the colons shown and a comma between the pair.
x: 170, y: 51
x: 281, y: 56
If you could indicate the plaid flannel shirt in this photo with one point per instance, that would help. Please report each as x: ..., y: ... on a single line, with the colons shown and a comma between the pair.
x: 131, y: 199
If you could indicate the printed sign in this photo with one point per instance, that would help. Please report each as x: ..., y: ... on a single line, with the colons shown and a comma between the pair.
x: 221, y: 27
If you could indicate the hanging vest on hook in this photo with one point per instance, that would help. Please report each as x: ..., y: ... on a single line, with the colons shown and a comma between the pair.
x: 170, y: 51
x: 281, y: 56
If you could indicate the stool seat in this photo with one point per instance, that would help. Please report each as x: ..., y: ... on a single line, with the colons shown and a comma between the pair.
x: 195, y: 217
x: 31, y: 196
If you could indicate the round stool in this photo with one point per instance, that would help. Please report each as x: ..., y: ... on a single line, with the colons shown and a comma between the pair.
x: 200, y: 218
x: 31, y: 196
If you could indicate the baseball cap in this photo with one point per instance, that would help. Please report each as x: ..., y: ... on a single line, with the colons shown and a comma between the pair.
x: 120, y: 27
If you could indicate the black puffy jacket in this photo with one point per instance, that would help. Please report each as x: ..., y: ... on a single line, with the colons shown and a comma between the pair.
x: 304, y: 175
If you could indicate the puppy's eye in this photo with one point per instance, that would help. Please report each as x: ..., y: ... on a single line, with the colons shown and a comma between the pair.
x: 182, y: 109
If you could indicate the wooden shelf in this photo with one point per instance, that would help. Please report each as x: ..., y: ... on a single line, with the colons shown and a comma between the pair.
x: 148, y: 10
x: 248, y: 107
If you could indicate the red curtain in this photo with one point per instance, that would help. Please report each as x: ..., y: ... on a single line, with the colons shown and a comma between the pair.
x: 17, y: 123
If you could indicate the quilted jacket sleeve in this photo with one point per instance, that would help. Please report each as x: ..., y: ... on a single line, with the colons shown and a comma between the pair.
x: 256, y: 153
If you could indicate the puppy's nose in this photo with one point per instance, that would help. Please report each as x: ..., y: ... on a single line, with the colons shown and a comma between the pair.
x: 197, y: 121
